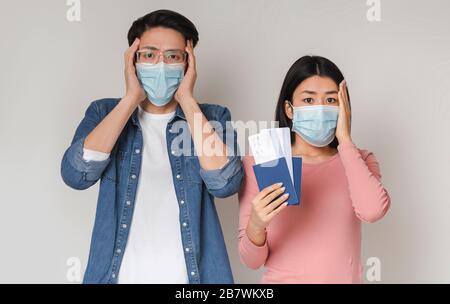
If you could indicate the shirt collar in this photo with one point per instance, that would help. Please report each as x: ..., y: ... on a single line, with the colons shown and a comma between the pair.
x: 178, y: 113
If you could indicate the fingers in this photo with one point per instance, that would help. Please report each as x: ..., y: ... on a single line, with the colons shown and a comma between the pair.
x: 135, y: 45
x: 276, y: 211
x: 191, y: 56
x: 345, y: 91
x: 268, y: 203
x: 347, y: 99
x: 343, y: 103
x: 347, y: 103
x: 190, y: 47
x: 266, y: 191
x: 276, y: 203
x: 343, y: 96
x: 272, y: 196
x: 340, y: 92
x: 130, y: 53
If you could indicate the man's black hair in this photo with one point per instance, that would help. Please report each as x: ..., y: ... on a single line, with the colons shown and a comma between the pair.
x: 163, y: 18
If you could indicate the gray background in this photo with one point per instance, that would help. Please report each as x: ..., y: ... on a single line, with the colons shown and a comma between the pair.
x: 397, y: 71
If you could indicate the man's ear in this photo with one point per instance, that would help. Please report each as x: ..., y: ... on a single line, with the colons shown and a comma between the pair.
x: 288, y: 109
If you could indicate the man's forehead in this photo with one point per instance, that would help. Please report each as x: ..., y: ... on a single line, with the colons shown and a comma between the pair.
x: 162, y: 39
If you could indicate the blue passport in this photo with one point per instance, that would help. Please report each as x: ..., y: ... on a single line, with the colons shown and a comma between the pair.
x: 297, y: 168
x: 276, y: 171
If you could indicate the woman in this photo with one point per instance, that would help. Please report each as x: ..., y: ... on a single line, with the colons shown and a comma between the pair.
x: 320, y: 240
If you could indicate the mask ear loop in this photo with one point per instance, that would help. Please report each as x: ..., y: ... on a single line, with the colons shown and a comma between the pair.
x: 292, y: 107
x: 292, y: 119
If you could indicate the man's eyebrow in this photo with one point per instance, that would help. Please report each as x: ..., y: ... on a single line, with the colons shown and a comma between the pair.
x: 150, y: 48
x: 156, y: 49
x: 175, y: 50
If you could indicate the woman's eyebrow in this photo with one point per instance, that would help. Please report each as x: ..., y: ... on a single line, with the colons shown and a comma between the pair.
x: 309, y: 92
x: 331, y: 92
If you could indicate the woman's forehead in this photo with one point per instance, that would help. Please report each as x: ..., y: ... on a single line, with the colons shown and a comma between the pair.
x: 317, y: 84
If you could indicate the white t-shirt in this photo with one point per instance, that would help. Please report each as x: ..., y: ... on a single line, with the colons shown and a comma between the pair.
x: 154, y: 251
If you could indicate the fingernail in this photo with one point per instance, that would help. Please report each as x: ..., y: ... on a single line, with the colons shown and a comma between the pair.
x: 282, y: 189
x: 286, y: 194
x: 279, y: 184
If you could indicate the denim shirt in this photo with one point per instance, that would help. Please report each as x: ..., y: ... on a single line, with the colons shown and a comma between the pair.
x: 203, y: 244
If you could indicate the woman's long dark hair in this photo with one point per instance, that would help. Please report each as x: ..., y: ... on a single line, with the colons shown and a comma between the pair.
x: 303, y: 68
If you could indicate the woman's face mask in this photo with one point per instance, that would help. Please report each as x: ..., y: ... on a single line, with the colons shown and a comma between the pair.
x: 160, y: 81
x: 315, y: 124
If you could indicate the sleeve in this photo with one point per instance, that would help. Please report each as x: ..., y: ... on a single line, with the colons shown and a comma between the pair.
x: 227, y: 180
x: 77, y: 172
x: 250, y: 254
x: 370, y: 199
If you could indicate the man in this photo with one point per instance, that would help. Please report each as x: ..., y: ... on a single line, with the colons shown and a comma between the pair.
x: 156, y: 221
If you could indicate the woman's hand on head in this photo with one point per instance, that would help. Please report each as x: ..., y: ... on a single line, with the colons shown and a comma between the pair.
x: 343, y: 123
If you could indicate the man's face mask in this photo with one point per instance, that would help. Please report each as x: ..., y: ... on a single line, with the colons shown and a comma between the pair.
x: 315, y: 124
x: 160, y: 81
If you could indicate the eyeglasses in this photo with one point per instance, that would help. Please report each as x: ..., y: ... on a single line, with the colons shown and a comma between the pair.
x: 152, y: 56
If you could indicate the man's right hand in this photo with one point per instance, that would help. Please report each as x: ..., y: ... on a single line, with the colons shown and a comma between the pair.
x: 134, y: 90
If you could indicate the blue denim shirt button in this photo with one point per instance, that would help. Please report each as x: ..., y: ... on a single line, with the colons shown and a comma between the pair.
x: 125, y: 169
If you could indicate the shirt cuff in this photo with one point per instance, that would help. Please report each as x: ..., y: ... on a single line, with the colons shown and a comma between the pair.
x: 91, y: 155
x: 219, y: 178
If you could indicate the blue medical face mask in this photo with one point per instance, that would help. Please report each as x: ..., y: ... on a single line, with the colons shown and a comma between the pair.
x: 160, y: 81
x: 315, y: 124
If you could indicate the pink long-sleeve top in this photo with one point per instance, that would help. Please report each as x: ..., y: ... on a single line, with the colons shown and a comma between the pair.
x: 320, y: 240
